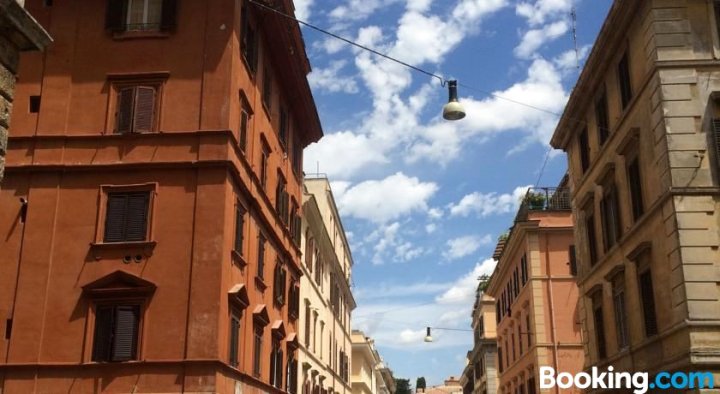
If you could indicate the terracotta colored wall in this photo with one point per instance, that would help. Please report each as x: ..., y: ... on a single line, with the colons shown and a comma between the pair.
x: 60, y: 157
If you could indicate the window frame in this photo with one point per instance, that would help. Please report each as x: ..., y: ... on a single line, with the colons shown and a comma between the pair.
x: 235, y: 315
x: 258, y: 336
x: 598, y: 313
x: 140, y: 303
x: 619, y: 298
x: 611, y: 218
x: 120, y: 82
x: 101, y: 220
x: 584, y: 150
x: 249, y: 43
x: 624, y: 78
x: 240, y: 228
x: 602, y: 117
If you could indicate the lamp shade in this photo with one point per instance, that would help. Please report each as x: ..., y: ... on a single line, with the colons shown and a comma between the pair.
x: 428, y: 337
x: 453, y: 110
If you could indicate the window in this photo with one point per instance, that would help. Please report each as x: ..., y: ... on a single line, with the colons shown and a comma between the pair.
x: 635, y: 186
x: 584, y: 146
x: 257, y: 349
x: 647, y: 295
x: 234, y: 339
x: 621, y: 329
x: 531, y: 385
x: 602, y: 118
x: 282, y: 199
x: 623, y: 71
x: 34, y: 104
x: 248, y: 39
x: 276, y: 363
x: 500, y: 359
x: 284, y: 130
x: 295, y: 222
x: 239, y: 227
x: 599, y: 321
x: 528, y: 329
x: 126, y: 216
x: 512, y: 342
x: 116, y: 332
x: 519, y: 336
x: 243, y: 128
x: 591, y: 236
x: 294, y: 310
x: 140, y: 15
x: 264, y: 157
x: 291, y: 384
x: 572, y: 260
x: 261, y: 257
x: 524, y: 269
x: 318, y: 267
x: 267, y: 89
x: 610, y: 216
x: 136, y: 109
x: 307, y: 325
x: 309, y: 250
x: 715, y: 133
x: 279, y: 284
x: 297, y: 155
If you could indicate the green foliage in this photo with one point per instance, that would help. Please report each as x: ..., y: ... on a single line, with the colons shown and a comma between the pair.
x: 403, y: 386
x: 484, y: 281
x: 420, y: 384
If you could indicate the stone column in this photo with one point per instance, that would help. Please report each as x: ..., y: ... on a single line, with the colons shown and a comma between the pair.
x: 18, y: 32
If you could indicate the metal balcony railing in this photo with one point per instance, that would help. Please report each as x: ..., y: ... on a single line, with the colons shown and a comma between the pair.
x: 543, y: 199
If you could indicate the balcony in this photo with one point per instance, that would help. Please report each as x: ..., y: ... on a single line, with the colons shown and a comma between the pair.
x: 543, y: 199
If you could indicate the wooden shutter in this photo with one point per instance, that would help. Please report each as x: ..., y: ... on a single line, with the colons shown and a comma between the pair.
x: 125, y: 110
x: 716, y: 140
x: 103, y: 333
x: 239, y: 227
x: 648, y: 302
x: 234, y: 333
x: 573, y: 260
x: 273, y: 354
x: 144, y: 112
x: 279, y: 368
x: 115, y: 217
x: 242, y: 138
x: 115, y: 15
x: 137, y: 216
x: 127, y: 318
x: 169, y: 15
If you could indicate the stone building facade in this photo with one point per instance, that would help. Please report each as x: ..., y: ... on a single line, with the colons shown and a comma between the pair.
x: 157, y: 244
x: 326, y: 299
x: 368, y: 373
x: 536, y: 294
x: 480, y: 375
x: 642, y: 134
x: 20, y: 32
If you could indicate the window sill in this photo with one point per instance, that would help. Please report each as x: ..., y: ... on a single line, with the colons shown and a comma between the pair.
x: 124, y: 245
x: 260, y: 283
x: 134, y: 35
x: 238, y: 259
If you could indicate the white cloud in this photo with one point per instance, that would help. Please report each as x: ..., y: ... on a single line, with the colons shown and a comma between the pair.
x: 430, y: 228
x: 464, y: 246
x: 542, y: 10
x: 389, y: 245
x: 381, y: 201
x: 330, y: 80
x: 463, y: 291
x: 342, y: 153
x: 533, y: 39
x: 302, y: 9
x: 435, y: 213
x: 486, y: 204
x: 400, y: 289
x: 570, y: 60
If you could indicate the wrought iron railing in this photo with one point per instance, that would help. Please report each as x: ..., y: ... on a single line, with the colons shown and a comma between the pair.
x: 543, y: 199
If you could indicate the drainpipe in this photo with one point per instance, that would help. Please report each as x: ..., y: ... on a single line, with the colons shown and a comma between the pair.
x: 22, y: 216
x: 552, y: 305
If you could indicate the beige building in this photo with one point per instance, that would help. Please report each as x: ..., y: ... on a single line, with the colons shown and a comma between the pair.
x: 18, y: 32
x: 451, y: 385
x: 369, y: 374
x: 536, y: 294
x: 642, y: 134
x: 327, y: 301
x: 480, y: 374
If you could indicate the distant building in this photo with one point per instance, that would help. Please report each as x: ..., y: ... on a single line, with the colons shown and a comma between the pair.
x: 642, y: 135
x: 450, y: 386
x: 480, y: 374
x: 18, y: 32
x: 536, y: 294
x: 326, y: 299
x: 369, y: 373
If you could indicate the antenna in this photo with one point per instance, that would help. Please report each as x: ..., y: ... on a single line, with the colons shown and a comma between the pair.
x: 573, y: 15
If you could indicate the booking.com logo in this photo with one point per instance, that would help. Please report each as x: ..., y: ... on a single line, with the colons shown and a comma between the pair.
x: 640, y: 382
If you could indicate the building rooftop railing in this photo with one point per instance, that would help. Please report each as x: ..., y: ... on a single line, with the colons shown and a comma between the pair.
x: 543, y: 199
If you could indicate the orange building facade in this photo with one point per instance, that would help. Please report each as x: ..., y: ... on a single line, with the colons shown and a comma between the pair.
x: 151, y: 203
x: 536, y: 294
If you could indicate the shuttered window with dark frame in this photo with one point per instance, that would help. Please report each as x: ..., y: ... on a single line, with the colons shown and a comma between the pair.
x: 647, y: 296
x: 284, y: 129
x: 635, y: 186
x: 620, y: 309
x: 248, y: 39
x: 264, y: 158
x: 602, y: 118
x: 599, y: 322
x: 239, y: 228
x: 267, y: 93
x: 297, y: 155
x: 276, y: 363
x: 279, y: 281
x: 591, y: 237
x: 141, y: 15
x: 715, y: 134
x: 126, y: 216
x: 623, y: 70
x: 524, y: 269
x: 294, y: 296
x: 572, y: 260
x: 282, y: 199
x: 610, y: 216
x: 135, y: 109
x: 257, y: 350
x: 261, y: 257
x: 243, y: 129
x: 116, y: 333
x: 234, y: 339
x: 584, y: 146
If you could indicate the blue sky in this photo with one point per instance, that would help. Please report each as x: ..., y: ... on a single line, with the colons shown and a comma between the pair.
x: 423, y: 200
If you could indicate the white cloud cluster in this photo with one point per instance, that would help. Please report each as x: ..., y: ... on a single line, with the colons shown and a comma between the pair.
x: 329, y: 79
x: 463, y: 291
x: 302, y: 9
x: 486, y: 204
x: 540, y: 11
x: 533, y: 39
x: 381, y: 201
x: 458, y: 248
